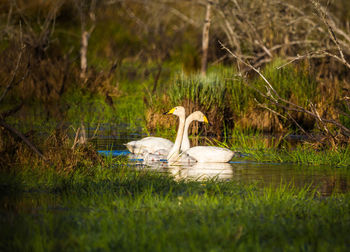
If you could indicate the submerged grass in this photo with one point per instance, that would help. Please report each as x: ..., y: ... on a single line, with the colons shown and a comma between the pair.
x: 120, y: 209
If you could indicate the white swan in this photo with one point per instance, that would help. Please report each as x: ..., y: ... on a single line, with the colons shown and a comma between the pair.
x: 156, y: 145
x: 175, y: 150
x: 161, y: 146
x: 202, y: 154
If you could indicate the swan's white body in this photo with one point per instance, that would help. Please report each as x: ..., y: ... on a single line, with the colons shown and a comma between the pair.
x: 209, y: 154
x: 162, y: 146
x: 150, y: 145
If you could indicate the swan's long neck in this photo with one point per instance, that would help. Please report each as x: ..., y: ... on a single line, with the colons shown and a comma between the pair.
x: 175, y: 151
x: 185, y: 145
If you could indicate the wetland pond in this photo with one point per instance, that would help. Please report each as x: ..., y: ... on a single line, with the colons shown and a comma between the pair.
x: 135, y: 208
x: 324, y: 179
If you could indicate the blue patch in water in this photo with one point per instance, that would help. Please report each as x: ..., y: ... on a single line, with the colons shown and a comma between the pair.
x: 114, y: 152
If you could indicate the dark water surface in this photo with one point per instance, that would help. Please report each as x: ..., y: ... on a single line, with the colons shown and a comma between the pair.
x: 326, y: 180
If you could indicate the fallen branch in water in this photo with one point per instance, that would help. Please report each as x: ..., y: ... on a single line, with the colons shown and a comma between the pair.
x: 17, y: 133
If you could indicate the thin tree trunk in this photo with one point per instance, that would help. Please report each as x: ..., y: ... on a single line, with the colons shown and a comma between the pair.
x: 85, y: 33
x: 205, y: 39
x: 83, y: 53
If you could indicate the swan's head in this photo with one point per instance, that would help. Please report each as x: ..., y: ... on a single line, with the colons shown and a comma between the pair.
x: 199, y: 116
x: 179, y: 111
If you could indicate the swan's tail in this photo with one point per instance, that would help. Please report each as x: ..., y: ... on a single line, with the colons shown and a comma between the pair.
x: 130, y: 146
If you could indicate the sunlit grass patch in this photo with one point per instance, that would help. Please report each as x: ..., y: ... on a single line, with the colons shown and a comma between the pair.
x: 117, y: 208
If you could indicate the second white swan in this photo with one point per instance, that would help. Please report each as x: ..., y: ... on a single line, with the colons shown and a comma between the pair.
x: 201, y: 154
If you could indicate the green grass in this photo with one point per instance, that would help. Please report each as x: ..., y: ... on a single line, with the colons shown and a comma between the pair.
x: 260, y: 148
x: 208, y: 90
x: 221, y: 89
x: 294, y: 83
x: 106, y: 208
x: 228, y: 96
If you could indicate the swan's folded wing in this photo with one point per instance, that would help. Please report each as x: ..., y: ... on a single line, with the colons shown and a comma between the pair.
x: 210, y: 154
x: 149, y: 145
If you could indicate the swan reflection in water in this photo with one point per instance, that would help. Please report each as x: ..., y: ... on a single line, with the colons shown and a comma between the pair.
x: 203, y: 171
x: 195, y: 171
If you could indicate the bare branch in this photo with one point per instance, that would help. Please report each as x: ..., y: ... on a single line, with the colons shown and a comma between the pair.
x: 24, y: 139
x: 289, y: 106
x: 184, y: 17
x: 324, y: 16
x: 251, y: 67
x: 12, y: 81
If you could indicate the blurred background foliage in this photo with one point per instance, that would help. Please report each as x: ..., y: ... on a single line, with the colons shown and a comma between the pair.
x: 144, y: 57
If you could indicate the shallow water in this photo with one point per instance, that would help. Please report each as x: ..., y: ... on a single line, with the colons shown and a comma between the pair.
x: 325, y: 180
x: 90, y: 220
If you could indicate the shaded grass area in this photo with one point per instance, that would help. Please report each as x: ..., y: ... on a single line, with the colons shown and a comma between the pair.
x: 115, y: 208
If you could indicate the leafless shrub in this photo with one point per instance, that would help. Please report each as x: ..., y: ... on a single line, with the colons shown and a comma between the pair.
x: 39, y: 71
x: 260, y: 30
x: 334, y: 133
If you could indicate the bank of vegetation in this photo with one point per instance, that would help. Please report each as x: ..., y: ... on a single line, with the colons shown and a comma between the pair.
x: 272, y: 68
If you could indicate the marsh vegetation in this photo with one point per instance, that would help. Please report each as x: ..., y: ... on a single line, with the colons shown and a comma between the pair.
x: 79, y: 76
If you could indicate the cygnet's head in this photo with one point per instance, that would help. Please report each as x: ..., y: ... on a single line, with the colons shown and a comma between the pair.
x: 198, y: 116
x: 178, y: 110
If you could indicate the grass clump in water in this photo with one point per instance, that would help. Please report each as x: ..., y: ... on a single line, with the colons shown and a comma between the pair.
x: 212, y: 94
x: 229, y: 101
